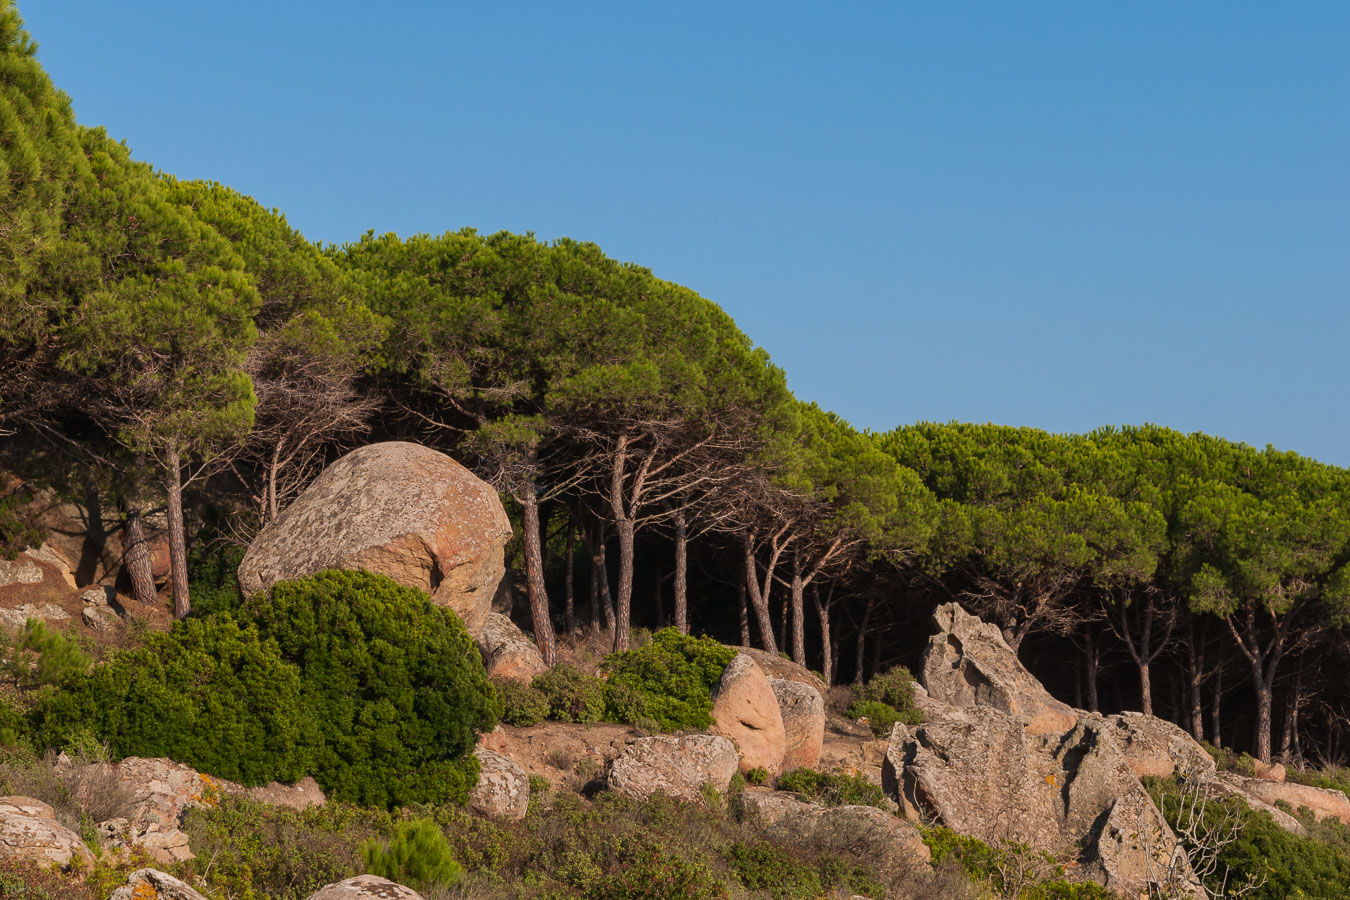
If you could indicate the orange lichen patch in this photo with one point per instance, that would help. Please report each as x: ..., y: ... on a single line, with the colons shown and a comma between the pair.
x: 1050, y: 779
x: 209, y: 795
x: 144, y: 891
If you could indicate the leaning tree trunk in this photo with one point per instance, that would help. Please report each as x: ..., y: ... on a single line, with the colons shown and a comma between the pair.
x: 758, y: 600
x: 136, y: 556
x: 681, y: 573
x: 745, y: 615
x: 534, y: 574
x: 178, y: 574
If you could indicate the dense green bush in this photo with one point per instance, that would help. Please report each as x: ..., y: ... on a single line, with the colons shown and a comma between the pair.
x: 1229, y: 760
x: 652, y: 872
x: 572, y: 696
x: 1009, y: 869
x: 416, y: 854
x: 1335, y: 778
x: 522, y: 704
x: 1312, y: 865
x: 19, y: 527
x: 669, y: 681
x: 13, y: 726
x: 395, y: 684
x: 763, y: 867
x: 213, y: 582
x: 886, y: 699
x: 832, y: 788
x: 41, y: 655
x: 210, y: 693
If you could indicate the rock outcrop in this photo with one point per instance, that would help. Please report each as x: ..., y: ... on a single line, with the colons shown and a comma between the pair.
x: 865, y: 832
x: 152, y: 883
x: 784, y: 669
x: 503, y: 789
x: 29, y: 832
x: 803, y: 711
x: 675, y: 766
x: 365, y: 887
x: 745, y: 710
x: 1324, y: 802
x: 968, y: 663
x: 1156, y: 747
x: 981, y: 772
x: 395, y: 509
x: 507, y: 652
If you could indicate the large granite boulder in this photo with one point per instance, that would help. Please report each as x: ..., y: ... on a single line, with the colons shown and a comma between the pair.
x: 503, y: 789
x: 29, y: 832
x: 745, y: 710
x: 1156, y: 747
x: 365, y: 887
x: 803, y: 711
x: 395, y: 509
x: 507, y: 652
x: 967, y: 663
x: 784, y: 669
x: 676, y: 766
x: 152, y: 883
x: 862, y: 832
x: 1324, y: 803
x: 980, y: 772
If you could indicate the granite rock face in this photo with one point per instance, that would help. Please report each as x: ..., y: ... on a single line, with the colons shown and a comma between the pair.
x: 507, y: 652
x: 675, y: 766
x: 29, y: 832
x: 968, y: 663
x: 365, y: 887
x: 803, y: 711
x: 745, y: 710
x: 503, y: 789
x: 395, y: 509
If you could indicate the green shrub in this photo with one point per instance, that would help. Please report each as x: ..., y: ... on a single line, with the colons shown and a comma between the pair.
x: 757, y: 775
x: 832, y: 788
x: 213, y: 581
x: 1334, y: 778
x: 395, y: 684
x: 764, y: 867
x: 669, y: 681
x: 522, y: 704
x: 210, y: 693
x: 19, y: 527
x: 417, y: 855
x: 886, y: 699
x: 41, y: 655
x: 1009, y: 868
x: 1227, y: 760
x: 14, y: 728
x: 650, y: 872
x: 571, y: 695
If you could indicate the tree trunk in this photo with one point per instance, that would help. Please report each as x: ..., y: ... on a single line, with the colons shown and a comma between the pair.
x: 1264, y: 694
x: 826, y: 645
x: 757, y: 598
x: 534, y: 574
x: 273, y: 507
x: 595, y: 548
x: 569, y: 608
x: 1146, y: 687
x: 182, y: 603
x: 1195, y: 667
x: 681, y: 573
x: 624, y: 605
x: 1216, y: 733
x: 745, y: 615
x: 136, y: 556
x: 862, y: 642
x: 595, y: 599
x: 798, y: 597
x: 1091, y: 660
x: 783, y: 622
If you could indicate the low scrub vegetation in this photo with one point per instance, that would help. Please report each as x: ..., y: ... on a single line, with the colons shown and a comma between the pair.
x: 886, y: 699
x: 832, y: 788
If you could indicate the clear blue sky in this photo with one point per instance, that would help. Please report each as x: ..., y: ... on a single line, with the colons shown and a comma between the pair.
x: 1051, y: 214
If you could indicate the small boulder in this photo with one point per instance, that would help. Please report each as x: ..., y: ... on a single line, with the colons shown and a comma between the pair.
x: 803, y: 711
x: 507, y: 652
x: 98, y: 618
x: 29, y: 832
x: 675, y: 766
x: 144, y: 883
x: 745, y: 710
x: 1270, y: 771
x: 395, y: 509
x: 968, y: 663
x: 503, y: 789
x: 365, y: 887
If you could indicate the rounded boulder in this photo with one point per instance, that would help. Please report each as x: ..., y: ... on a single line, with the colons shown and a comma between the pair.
x: 745, y: 709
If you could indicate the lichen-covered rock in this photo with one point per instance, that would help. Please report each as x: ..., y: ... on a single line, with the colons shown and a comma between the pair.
x: 365, y: 887
x: 503, y: 789
x: 395, y: 509
x: 675, y: 766
x: 1323, y: 802
x: 980, y: 772
x: 152, y: 883
x: 29, y: 832
x: 803, y: 711
x: 1156, y: 747
x: 784, y: 669
x: 967, y: 663
x: 507, y: 652
x: 745, y: 710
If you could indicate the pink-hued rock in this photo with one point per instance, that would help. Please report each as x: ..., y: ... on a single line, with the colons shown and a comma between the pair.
x: 395, y: 509
x: 1325, y: 803
x: 366, y: 887
x: 803, y: 711
x: 745, y: 710
x: 29, y: 832
x: 507, y: 652
x: 153, y: 883
x: 675, y: 766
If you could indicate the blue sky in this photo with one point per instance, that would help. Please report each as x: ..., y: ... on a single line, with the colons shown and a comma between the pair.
x: 1051, y: 214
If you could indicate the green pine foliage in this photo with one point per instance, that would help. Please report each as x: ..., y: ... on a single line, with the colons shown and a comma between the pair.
x: 211, y: 693
x: 395, y: 685
x: 886, y: 699
x: 41, y: 655
x: 832, y: 788
x: 416, y: 854
x: 669, y: 681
